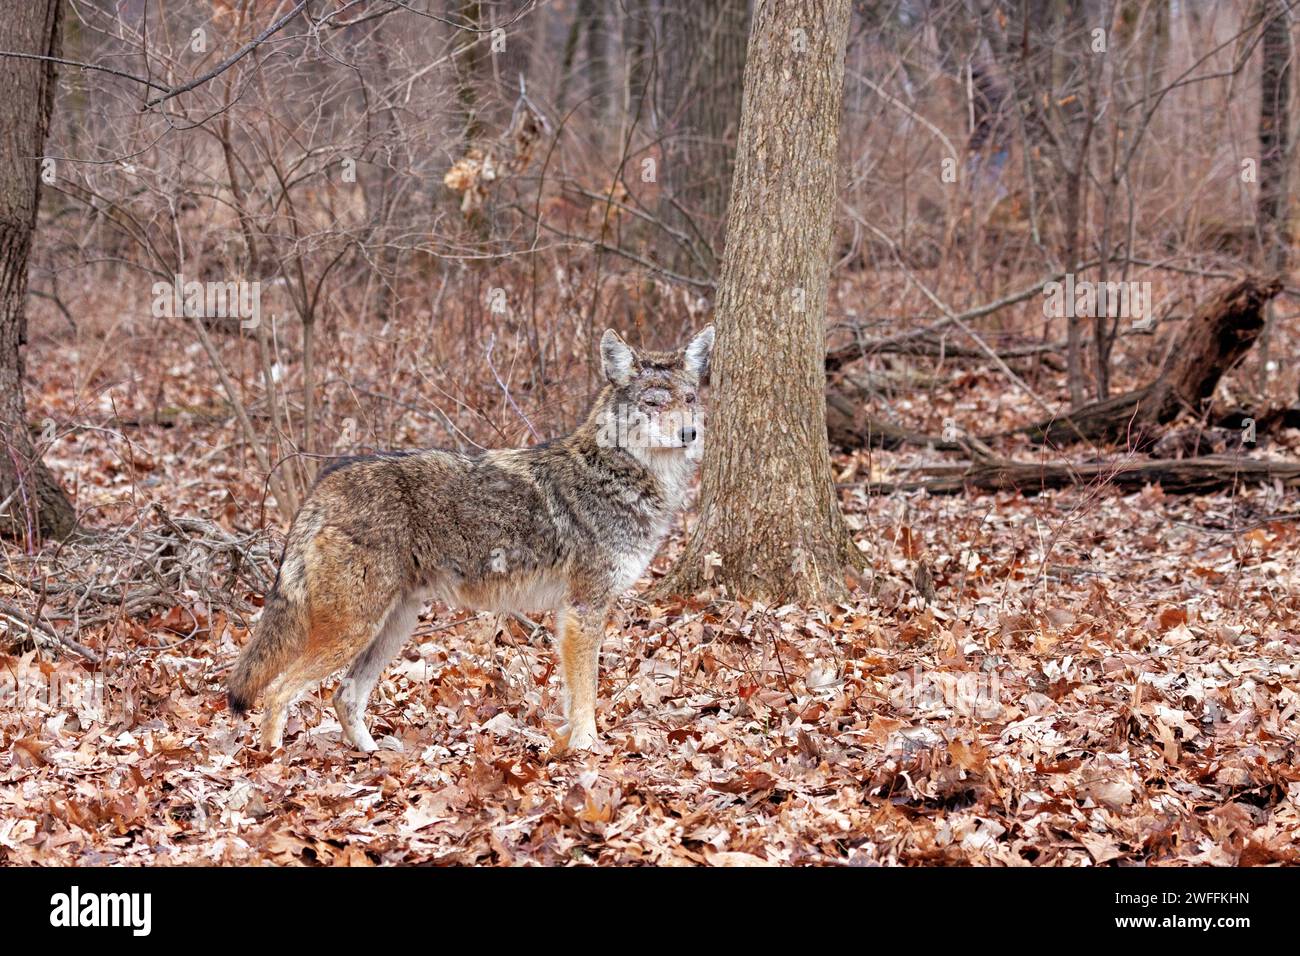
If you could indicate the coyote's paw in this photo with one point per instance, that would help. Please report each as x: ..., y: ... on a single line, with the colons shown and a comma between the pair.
x: 569, y: 739
x: 355, y: 733
x: 350, y: 720
x: 582, y: 738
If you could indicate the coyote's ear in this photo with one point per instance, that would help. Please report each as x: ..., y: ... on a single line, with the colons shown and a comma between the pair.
x: 696, y: 354
x: 616, y: 358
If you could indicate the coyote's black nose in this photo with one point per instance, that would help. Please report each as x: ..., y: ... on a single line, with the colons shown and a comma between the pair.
x: 688, y: 435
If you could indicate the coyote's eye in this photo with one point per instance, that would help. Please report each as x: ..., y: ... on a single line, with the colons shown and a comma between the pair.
x: 655, y: 398
x: 690, y: 398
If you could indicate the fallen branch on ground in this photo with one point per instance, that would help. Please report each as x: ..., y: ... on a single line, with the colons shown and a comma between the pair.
x: 143, y: 569
x: 1205, y: 474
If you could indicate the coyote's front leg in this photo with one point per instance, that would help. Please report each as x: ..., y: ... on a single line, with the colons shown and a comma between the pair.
x: 581, y: 629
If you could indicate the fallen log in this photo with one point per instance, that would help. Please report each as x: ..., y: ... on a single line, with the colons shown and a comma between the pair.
x: 1048, y: 353
x: 1214, y: 339
x: 1201, y: 475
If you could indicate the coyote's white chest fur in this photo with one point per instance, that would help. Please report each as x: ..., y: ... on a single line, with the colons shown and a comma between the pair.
x: 673, y: 471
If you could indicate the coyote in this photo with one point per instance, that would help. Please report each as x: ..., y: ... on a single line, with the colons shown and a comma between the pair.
x: 567, y: 526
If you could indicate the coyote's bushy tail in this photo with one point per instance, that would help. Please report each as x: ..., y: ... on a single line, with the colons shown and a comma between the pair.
x: 280, y: 636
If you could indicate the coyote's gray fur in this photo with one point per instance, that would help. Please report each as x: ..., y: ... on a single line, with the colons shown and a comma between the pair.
x: 566, y: 526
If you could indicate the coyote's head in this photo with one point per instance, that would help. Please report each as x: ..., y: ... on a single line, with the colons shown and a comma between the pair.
x: 653, y: 403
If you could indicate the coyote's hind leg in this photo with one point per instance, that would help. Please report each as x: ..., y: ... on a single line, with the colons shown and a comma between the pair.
x: 344, y: 618
x: 302, y: 674
x: 275, y: 711
x: 354, y: 691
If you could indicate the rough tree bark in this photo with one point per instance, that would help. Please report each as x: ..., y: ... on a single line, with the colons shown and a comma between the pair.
x: 770, y: 525
x: 1213, y: 341
x: 36, y: 505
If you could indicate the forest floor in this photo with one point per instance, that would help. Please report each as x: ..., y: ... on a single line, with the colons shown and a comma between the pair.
x: 1076, y: 678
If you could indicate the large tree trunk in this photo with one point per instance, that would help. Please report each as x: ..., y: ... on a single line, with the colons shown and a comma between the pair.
x: 768, y: 510
x: 704, y: 45
x: 36, y: 505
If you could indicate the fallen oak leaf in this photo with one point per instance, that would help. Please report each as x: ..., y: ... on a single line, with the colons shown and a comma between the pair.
x: 1171, y: 617
x: 30, y: 752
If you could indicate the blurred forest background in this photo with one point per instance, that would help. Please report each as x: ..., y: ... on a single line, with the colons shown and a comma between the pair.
x: 446, y: 206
